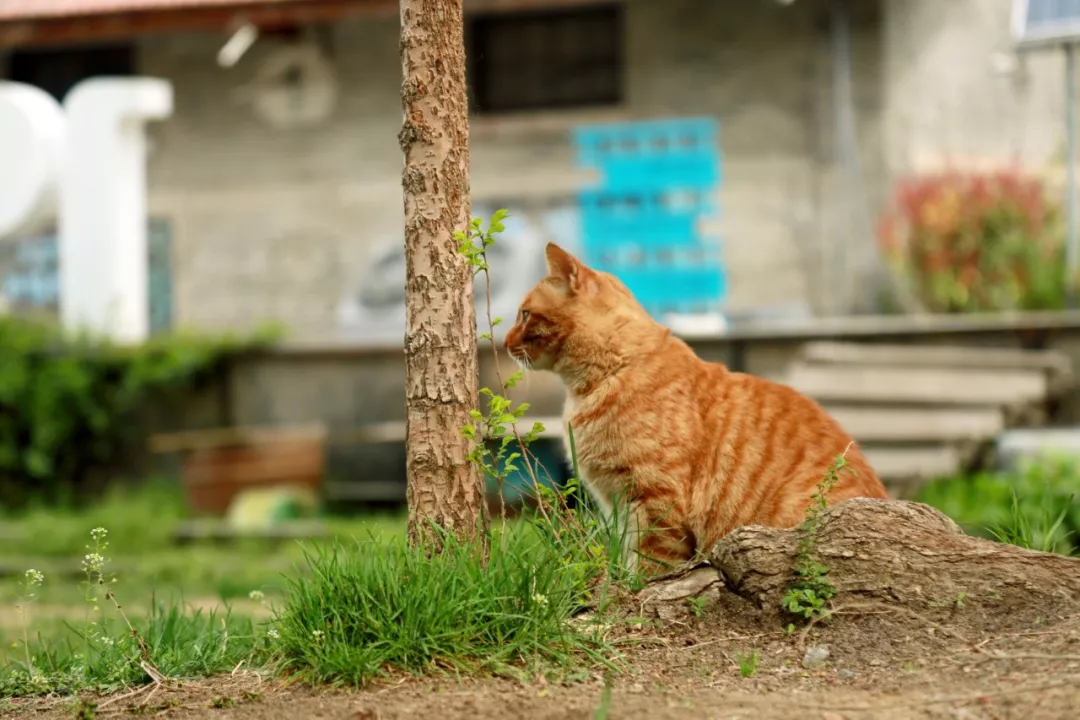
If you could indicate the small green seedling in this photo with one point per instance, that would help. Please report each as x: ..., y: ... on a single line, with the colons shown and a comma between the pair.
x: 809, y: 595
x: 748, y: 663
x: 697, y: 605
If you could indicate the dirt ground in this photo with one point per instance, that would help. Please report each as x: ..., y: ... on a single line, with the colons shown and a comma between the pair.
x: 962, y: 660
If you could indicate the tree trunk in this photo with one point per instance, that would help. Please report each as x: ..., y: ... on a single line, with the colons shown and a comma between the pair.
x: 898, y: 552
x: 898, y: 561
x: 441, y: 374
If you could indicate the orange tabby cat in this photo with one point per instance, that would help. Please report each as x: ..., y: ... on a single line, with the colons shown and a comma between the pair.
x: 697, y: 450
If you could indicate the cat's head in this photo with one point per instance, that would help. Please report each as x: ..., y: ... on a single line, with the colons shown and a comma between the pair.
x: 572, y: 313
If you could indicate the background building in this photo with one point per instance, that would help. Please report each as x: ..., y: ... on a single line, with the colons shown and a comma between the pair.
x: 277, y: 178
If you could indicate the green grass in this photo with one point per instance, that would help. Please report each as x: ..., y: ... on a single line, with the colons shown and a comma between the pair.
x: 371, y: 606
x: 195, y: 572
x: 144, y: 517
x: 53, y: 541
x: 1039, y: 530
x: 1036, y: 506
x: 345, y: 610
x: 178, y: 645
x: 168, y: 592
x: 108, y: 648
x: 367, y: 609
x: 603, y: 709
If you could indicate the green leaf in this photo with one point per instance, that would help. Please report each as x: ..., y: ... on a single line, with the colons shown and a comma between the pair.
x: 496, y: 225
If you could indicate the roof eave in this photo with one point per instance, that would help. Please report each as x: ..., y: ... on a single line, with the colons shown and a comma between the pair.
x: 127, y: 25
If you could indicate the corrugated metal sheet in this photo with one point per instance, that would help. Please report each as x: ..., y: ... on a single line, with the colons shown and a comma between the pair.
x: 11, y: 10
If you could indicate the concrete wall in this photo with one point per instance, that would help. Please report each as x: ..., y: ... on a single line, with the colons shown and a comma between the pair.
x: 956, y: 93
x: 271, y: 223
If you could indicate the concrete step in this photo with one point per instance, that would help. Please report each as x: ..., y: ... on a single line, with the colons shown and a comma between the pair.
x: 1057, y: 365
x: 918, y: 424
x: 930, y: 385
x: 895, y: 464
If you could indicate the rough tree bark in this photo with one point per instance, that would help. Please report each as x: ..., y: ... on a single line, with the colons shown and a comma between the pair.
x: 887, y: 556
x: 897, y: 552
x: 440, y: 329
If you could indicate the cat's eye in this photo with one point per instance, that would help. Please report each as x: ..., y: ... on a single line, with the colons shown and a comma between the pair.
x: 524, y: 315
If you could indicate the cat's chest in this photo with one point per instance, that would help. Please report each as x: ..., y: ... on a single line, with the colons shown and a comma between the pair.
x: 597, y: 446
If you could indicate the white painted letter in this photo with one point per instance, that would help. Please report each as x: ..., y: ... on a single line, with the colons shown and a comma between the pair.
x: 103, y: 256
x: 31, y: 153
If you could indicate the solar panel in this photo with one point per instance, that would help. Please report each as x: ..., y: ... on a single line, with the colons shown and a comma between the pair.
x: 1046, y: 22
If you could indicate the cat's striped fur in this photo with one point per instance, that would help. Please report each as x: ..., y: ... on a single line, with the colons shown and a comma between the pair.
x: 697, y: 450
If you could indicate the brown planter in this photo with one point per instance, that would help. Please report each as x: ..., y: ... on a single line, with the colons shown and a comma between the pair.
x: 219, y: 464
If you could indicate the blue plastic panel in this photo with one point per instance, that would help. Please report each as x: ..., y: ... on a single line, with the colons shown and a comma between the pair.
x: 643, y: 222
x: 652, y: 154
x: 646, y: 220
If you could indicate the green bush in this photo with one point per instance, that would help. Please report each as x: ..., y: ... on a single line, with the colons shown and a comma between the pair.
x: 67, y: 403
x: 976, y: 242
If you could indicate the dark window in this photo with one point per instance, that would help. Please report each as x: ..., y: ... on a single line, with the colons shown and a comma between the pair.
x: 546, y: 59
x: 57, y: 70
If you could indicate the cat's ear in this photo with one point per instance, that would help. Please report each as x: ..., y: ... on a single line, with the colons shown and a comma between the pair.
x: 561, y: 264
x: 567, y: 268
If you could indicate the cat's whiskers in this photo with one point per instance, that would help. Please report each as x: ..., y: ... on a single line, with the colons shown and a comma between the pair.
x: 528, y: 368
x: 525, y: 365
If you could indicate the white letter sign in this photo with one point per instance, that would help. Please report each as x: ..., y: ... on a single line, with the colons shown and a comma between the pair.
x: 91, y: 158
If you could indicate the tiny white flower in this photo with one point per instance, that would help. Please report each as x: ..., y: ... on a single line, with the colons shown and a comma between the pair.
x: 256, y: 595
x: 98, y: 533
x: 318, y: 635
x: 34, y: 578
x: 93, y: 562
x: 540, y: 599
x: 273, y: 634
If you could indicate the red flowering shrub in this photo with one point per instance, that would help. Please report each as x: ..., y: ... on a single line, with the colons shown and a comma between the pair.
x: 977, y: 242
